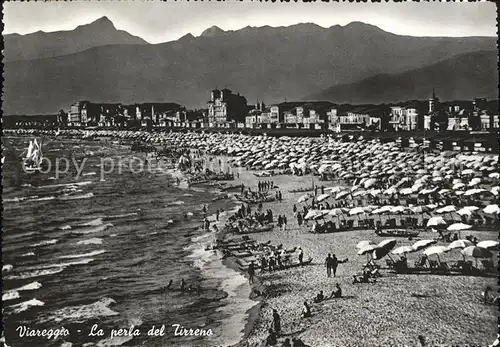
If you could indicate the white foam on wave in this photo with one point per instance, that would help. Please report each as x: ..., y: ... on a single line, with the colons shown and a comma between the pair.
x: 14, y: 236
x: 82, y: 313
x: 7, y: 267
x: 77, y: 197
x: 92, y: 241
x: 45, y: 243
x: 187, y: 194
x: 65, y: 227
x: 29, y: 254
x: 131, y: 214
x: 84, y: 183
x: 45, y: 198
x: 63, y: 265
x: 14, y: 199
x: 93, y: 222
x: 177, y: 202
x: 24, y: 306
x: 83, y: 255
x: 35, y: 273
x: 91, y: 230
x: 31, y: 286
x: 10, y: 295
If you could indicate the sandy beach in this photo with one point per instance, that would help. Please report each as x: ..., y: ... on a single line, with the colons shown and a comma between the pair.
x: 394, y: 311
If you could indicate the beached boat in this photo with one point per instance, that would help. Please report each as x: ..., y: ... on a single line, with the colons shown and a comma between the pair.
x: 259, y: 229
x: 255, y: 201
x: 243, y: 264
x: 397, y: 233
x: 33, y: 159
x: 301, y: 190
x: 231, y: 187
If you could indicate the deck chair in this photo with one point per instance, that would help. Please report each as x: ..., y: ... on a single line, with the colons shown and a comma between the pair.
x: 420, y: 263
x: 488, y: 265
x: 433, y: 264
x: 390, y: 263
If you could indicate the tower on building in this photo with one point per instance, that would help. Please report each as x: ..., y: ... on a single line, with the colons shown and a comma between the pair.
x: 433, y: 102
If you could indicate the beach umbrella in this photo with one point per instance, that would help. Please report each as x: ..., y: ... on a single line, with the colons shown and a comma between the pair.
x: 476, y: 252
x: 341, y: 194
x: 335, y: 212
x: 381, y: 252
x: 475, y: 181
x: 495, y: 190
x: 356, y: 210
x: 488, y: 244
x: 303, y: 198
x: 474, y: 191
x: 313, y: 214
x: 437, y: 250
x: 492, y: 209
x: 465, y: 211
x: 458, y: 227
x: 406, y: 191
x: 435, y: 221
x: 370, y: 182
x: 367, y: 249
x: 403, y: 250
x: 322, y: 197
x: 389, y: 243
x: 458, y: 185
x: 422, y: 244
x: 398, y: 209
x: 494, y: 175
x: 460, y: 244
x: 420, y: 209
x: 468, y: 172
x: 362, y: 244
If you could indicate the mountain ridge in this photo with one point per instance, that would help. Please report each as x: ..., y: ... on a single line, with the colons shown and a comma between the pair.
x: 40, y: 44
x: 258, y: 62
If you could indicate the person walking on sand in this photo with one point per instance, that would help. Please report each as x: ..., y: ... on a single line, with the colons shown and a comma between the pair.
x: 183, y: 285
x: 251, y: 271
x: 301, y: 256
x: 335, y: 263
x: 306, y: 310
x: 276, y: 322
x: 328, y: 263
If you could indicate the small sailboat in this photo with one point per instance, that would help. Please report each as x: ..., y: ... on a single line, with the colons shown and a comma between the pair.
x: 33, y: 160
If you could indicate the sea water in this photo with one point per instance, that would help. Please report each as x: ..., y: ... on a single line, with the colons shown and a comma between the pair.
x: 93, y: 251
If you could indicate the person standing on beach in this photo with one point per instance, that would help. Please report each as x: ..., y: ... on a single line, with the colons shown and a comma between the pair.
x: 335, y: 263
x: 276, y: 322
x: 183, y: 285
x: 328, y: 263
x: 301, y: 256
x: 251, y: 271
x: 284, y: 222
x: 217, y: 215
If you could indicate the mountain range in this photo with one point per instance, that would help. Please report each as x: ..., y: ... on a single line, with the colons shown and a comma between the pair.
x: 353, y: 63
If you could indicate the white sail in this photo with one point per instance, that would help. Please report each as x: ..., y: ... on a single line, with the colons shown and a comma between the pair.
x: 34, y: 155
x: 30, y: 151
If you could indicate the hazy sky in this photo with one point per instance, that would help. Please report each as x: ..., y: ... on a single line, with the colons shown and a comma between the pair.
x: 165, y: 21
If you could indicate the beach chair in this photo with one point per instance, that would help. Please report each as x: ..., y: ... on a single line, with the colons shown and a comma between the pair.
x: 433, y: 264
x: 420, y: 263
x: 488, y: 265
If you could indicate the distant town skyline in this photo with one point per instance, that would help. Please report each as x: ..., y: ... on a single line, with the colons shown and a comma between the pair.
x: 158, y: 22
